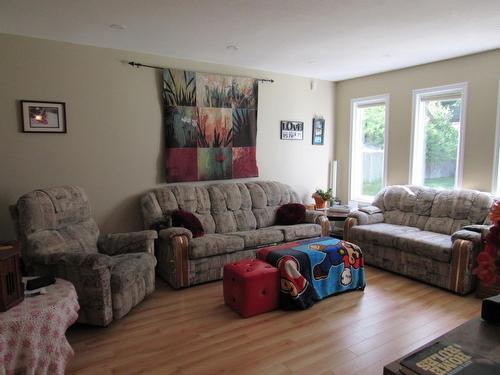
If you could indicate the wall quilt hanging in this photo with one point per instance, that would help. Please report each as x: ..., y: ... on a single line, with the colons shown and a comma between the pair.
x: 210, y: 126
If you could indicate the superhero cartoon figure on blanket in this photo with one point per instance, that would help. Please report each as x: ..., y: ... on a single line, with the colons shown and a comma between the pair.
x: 342, y: 252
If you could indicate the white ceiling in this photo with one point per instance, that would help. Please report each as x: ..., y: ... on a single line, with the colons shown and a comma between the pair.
x: 329, y: 39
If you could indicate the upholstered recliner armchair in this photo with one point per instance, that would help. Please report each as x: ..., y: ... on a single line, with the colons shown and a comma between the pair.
x: 111, y: 273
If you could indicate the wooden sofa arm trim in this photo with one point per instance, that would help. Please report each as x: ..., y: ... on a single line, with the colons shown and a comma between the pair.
x: 325, y: 225
x: 461, y: 252
x: 180, y: 260
x: 348, y: 224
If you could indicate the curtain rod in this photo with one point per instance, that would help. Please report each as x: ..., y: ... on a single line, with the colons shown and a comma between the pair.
x: 139, y: 65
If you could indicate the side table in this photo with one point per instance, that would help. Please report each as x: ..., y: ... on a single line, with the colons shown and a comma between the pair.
x: 337, y: 218
x: 32, y: 334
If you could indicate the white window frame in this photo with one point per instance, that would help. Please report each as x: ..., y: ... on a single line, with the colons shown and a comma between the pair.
x: 416, y: 177
x: 354, y: 147
x: 496, y: 161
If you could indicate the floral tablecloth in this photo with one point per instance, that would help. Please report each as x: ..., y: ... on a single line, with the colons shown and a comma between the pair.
x: 32, y: 334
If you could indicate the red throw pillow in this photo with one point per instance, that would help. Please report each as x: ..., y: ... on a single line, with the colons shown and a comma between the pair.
x: 290, y: 214
x: 185, y: 219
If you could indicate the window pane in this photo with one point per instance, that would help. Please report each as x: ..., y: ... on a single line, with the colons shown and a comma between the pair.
x: 373, y: 134
x: 441, y: 135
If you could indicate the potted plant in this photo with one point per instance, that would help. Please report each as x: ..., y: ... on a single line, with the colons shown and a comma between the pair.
x: 488, y: 269
x: 321, y: 197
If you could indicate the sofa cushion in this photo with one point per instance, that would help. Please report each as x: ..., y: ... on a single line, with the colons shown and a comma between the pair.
x: 207, y: 221
x: 257, y: 194
x: 224, y: 222
x: 380, y: 234
x: 291, y: 214
x: 245, y: 220
x: 214, y: 244
x: 427, y: 244
x: 298, y: 231
x: 186, y: 219
x: 454, y: 209
x: 231, y: 207
x: 441, y: 225
x: 126, y: 269
x: 400, y: 197
x: 260, y: 237
x: 265, y: 217
x: 273, y: 191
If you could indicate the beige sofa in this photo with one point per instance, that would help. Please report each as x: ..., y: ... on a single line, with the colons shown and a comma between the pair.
x: 237, y: 218
x: 430, y: 235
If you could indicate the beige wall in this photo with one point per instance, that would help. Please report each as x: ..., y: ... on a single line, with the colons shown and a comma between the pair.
x: 114, y: 146
x: 481, y: 71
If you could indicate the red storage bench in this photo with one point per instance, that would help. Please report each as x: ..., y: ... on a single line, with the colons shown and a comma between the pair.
x: 251, y: 287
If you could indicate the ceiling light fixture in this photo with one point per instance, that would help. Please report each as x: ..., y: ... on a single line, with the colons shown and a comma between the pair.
x: 232, y: 47
x: 117, y: 26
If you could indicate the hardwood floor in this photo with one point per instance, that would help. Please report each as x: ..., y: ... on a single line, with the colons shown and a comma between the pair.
x: 191, y: 331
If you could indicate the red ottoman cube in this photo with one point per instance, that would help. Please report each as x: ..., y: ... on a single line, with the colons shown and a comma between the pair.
x: 251, y: 287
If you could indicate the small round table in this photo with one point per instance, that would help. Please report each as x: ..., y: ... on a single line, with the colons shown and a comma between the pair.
x: 32, y: 334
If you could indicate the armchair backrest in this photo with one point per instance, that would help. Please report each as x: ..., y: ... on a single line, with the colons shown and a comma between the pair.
x: 221, y: 207
x: 440, y: 211
x: 56, y: 219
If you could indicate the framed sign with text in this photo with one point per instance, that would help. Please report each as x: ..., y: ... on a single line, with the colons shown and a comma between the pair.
x: 292, y: 130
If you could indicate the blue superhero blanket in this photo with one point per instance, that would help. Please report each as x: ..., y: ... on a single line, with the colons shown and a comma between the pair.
x: 313, y: 269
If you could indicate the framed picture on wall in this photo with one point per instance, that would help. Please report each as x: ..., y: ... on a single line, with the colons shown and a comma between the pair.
x: 292, y: 130
x: 318, y: 131
x: 43, y: 117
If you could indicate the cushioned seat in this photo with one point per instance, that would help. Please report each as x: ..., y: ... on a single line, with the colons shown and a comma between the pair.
x: 127, y: 269
x: 428, y: 244
x: 299, y: 231
x: 382, y: 233
x: 260, y: 237
x: 214, y: 244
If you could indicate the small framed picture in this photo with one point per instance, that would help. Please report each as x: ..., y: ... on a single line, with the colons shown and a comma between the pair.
x: 318, y: 131
x: 292, y: 130
x: 43, y: 117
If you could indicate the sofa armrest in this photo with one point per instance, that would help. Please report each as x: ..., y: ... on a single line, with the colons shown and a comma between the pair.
x: 464, y: 234
x: 123, y: 243
x: 89, y: 273
x: 172, y: 256
x: 478, y: 228
x: 365, y: 218
x: 325, y: 225
x: 169, y: 233
x: 463, y: 261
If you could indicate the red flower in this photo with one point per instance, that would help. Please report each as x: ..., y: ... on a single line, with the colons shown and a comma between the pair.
x: 488, y: 269
x: 495, y: 212
x: 485, y: 257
